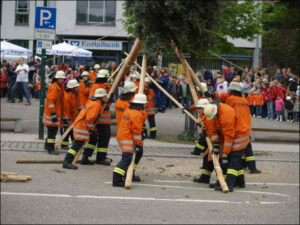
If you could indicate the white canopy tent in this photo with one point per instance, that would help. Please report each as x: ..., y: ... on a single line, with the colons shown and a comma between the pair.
x: 12, y: 52
x: 64, y: 49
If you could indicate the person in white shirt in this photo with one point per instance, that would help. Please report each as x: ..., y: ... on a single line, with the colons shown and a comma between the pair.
x: 21, y: 81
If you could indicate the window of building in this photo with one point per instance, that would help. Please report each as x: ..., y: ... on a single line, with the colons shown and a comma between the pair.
x: 91, y: 12
x: 22, y: 12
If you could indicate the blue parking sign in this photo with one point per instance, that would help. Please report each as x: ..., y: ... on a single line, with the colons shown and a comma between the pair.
x: 45, y: 18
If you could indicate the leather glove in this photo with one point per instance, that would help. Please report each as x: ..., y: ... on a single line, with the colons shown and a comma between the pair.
x: 106, y: 108
x: 185, y: 108
x: 216, y: 150
x: 54, y: 117
x: 138, y: 148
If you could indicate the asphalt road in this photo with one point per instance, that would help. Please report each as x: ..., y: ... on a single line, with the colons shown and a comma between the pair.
x: 166, y: 195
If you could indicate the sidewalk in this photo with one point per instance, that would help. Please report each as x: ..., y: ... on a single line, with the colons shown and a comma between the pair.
x: 27, y: 141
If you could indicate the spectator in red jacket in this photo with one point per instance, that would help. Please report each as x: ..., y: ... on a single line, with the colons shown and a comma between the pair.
x: 271, y: 95
x: 3, y: 81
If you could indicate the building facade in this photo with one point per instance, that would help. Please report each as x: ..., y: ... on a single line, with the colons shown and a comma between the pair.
x: 93, y: 25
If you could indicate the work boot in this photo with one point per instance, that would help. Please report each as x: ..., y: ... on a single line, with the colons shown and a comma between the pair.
x: 52, y: 152
x: 202, y: 179
x: 85, y: 160
x: 219, y: 188
x: 102, y: 160
x: 118, y: 180
x: 240, y: 183
x: 135, y: 178
x: 213, y: 185
x: 68, y: 165
x: 255, y: 171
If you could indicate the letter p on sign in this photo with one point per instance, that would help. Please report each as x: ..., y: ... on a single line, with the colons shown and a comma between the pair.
x: 45, y: 15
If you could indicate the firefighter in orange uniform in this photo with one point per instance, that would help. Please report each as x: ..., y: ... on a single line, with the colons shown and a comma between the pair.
x: 129, y: 137
x: 235, y: 99
x: 150, y: 110
x: 93, y: 74
x: 84, y: 125
x: 123, y: 101
x: 236, y: 138
x: 103, y: 124
x: 84, y: 89
x: 52, y: 117
x: 70, y: 110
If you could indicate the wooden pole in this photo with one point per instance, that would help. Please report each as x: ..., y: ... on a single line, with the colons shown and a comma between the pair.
x: 129, y: 173
x: 188, y: 71
x: 169, y: 96
x: 123, y: 70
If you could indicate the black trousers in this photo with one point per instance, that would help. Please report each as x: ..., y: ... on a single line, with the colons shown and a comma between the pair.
x: 50, y: 140
x: 207, y: 167
x: 73, y: 151
x: 152, y: 126
x: 65, y: 142
x: 235, y: 169
x: 249, y: 157
x: 91, y: 145
x: 123, y: 165
x: 104, y: 134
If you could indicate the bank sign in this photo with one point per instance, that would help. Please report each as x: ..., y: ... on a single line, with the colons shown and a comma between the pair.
x: 97, y: 45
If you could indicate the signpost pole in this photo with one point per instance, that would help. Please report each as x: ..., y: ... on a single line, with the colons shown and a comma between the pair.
x: 42, y: 90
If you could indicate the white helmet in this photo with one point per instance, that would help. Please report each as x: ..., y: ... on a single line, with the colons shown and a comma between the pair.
x: 210, y: 111
x: 135, y: 75
x: 100, y: 92
x: 140, y: 99
x: 204, y: 86
x: 102, y: 73
x: 202, y: 102
x: 85, y: 73
x: 97, y: 66
x: 72, y: 84
x: 129, y: 87
x: 235, y: 86
x: 147, y: 80
x: 60, y: 74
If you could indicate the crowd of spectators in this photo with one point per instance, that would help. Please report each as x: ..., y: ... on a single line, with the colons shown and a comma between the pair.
x: 269, y: 96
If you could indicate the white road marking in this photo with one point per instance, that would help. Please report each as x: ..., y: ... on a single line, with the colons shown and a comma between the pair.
x: 207, y: 189
x: 269, y: 203
x: 118, y: 198
x: 186, y: 181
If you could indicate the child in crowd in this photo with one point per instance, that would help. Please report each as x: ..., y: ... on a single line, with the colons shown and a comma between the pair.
x: 278, y: 107
x: 250, y: 100
x: 258, y: 103
x: 289, y: 106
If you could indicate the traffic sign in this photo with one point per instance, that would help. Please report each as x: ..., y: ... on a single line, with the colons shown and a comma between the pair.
x: 44, y: 44
x: 45, y: 23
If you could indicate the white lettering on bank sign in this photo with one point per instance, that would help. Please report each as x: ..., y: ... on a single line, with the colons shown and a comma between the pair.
x: 97, y: 45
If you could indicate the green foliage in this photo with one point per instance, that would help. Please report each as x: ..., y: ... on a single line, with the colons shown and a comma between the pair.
x: 281, y: 34
x: 193, y: 25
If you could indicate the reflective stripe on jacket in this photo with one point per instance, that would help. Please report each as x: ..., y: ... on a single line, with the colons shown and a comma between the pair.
x: 120, y: 107
x: 70, y: 106
x: 83, y: 94
x: 149, y: 107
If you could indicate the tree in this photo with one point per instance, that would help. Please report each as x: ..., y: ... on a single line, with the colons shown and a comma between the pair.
x: 281, y: 34
x: 194, y: 26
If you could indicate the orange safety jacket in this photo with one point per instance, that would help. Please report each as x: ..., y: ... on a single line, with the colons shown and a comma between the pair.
x: 105, y: 117
x: 250, y: 99
x: 54, y: 103
x: 83, y: 94
x: 130, y: 130
x: 149, y: 107
x: 120, y: 107
x: 70, y: 106
x: 234, y: 129
x: 92, y: 76
x: 240, y: 104
x: 85, y: 120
